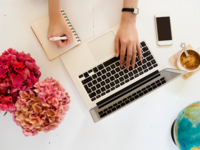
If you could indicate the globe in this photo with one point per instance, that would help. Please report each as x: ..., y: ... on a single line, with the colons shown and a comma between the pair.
x: 186, y: 130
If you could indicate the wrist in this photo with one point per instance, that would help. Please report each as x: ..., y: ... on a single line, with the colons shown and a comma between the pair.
x: 128, y: 18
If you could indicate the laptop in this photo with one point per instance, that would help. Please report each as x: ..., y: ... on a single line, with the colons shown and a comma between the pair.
x: 104, y: 86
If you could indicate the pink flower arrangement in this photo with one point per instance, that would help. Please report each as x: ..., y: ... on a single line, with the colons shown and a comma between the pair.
x: 42, y: 108
x: 18, y: 71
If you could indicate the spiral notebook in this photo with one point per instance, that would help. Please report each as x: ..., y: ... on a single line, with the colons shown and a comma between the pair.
x: 40, y: 28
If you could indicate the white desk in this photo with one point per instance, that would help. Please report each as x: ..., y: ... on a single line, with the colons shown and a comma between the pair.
x: 142, y: 125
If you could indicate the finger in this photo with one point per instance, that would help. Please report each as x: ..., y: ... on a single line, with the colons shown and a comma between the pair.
x: 69, y: 37
x: 58, y: 44
x: 122, y: 54
x: 129, y: 56
x: 133, y: 56
x: 139, y: 51
x: 116, y: 46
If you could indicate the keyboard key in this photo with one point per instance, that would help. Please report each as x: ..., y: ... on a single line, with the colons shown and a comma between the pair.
x: 117, y: 69
x: 95, y: 69
x: 136, y: 75
x: 126, y: 81
x: 144, y: 66
x: 107, y: 81
x: 157, y: 81
x: 122, y: 83
x: 135, y: 66
x: 89, y: 71
x: 107, y: 86
x: 103, y: 71
x: 141, y: 72
x: 130, y: 68
x: 103, y: 83
x: 119, y: 102
x: 139, y: 69
x: 103, y: 77
x: 99, y: 79
x: 117, y: 63
x: 94, y: 82
x: 103, y: 115
x: 127, y: 101
x: 122, y: 104
x: 125, y: 71
x: 110, y: 61
x: 99, y: 73
x: 148, y: 64
x: 159, y: 84
x: 112, y: 66
x: 102, y: 94
x: 155, y: 65
x: 115, y: 104
x: 87, y: 89
x: 93, y: 99
x: 108, y: 68
x: 150, y: 68
x: 113, y: 72
x: 93, y: 88
x: 143, y: 89
x: 141, y: 94
x: 103, y: 89
x: 87, y: 80
x: 153, y: 61
x: 144, y: 61
x: 98, y: 96
x: 126, y: 76
x: 143, y: 44
x: 113, y: 109
x: 107, y: 91
x: 121, y: 79
x: 112, y: 78
x: 146, y: 70
x: 98, y: 85
x: 150, y: 89
x: 112, y: 88
x: 109, y: 112
x: 124, y: 99
x: 145, y: 92
x: 148, y: 86
x: 163, y: 82
x: 135, y: 71
x: 101, y: 112
x: 112, y: 84
x: 86, y: 74
x: 146, y: 54
x: 139, y: 91
x: 129, y: 97
x: 116, y: 81
x: 100, y: 67
x: 132, y: 99
x: 94, y: 76
x: 131, y: 78
x: 92, y: 95
x: 116, y: 76
x: 121, y: 73
x: 136, y: 96
x: 81, y: 76
x: 98, y: 91
x: 105, y: 110
x: 139, y: 63
x: 154, y: 86
x: 162, y: 79
x: 145, y: 49
x: 118, y: 106
x: 150, y: 58
x: 90, y: 84
x: 110, y: 107
x: 108, y: 74
x: 117, y: 86
x: 130, y: 74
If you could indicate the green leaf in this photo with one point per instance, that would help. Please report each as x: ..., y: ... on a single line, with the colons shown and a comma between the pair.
x: 35, y: 93
x: 5, y: 113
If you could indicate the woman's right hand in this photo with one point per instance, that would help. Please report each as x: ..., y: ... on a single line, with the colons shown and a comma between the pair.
x: 57, y: 28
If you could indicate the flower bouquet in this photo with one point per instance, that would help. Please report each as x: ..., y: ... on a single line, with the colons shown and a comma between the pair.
x: 41, y: 108
x: 18, y: 71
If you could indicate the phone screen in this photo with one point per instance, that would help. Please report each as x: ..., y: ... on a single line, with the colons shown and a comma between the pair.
x: 164, y: 28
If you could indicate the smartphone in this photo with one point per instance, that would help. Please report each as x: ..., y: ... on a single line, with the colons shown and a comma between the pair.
x: 163, y: 29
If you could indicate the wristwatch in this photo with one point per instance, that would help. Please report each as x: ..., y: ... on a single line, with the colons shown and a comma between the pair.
x: 133, y: 10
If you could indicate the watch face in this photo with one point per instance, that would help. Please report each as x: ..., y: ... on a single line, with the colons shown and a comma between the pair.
x: 136, y: 11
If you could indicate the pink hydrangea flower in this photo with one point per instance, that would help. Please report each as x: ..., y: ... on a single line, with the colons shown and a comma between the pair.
x: 18, y: 71
x: 42, y: 108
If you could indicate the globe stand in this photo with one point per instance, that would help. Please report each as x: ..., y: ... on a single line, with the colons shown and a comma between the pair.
x: 172, y: 132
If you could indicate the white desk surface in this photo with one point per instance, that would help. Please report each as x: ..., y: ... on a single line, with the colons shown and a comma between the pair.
x: 142, y: 125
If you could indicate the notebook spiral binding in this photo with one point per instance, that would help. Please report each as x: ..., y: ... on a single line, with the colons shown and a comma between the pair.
x: 70, y: 26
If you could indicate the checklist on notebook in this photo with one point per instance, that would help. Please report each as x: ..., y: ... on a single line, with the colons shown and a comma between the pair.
x: 40, y: 28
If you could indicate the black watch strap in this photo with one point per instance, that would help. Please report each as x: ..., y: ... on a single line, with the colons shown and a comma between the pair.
x: 133, y: 10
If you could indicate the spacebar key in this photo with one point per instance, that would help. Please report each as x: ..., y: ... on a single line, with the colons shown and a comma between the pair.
x: 87, y: 80
x: 112, y: 60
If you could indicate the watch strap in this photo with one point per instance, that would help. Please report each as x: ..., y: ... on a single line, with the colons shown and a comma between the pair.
x: 133, y: 10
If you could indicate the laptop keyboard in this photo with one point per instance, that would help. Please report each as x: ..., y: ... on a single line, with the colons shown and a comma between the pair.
x: 109, y: 76
x: 130, y: 98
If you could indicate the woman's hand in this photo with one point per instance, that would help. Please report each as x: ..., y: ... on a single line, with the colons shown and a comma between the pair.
x: 126, y: 41
x: 57, y: 28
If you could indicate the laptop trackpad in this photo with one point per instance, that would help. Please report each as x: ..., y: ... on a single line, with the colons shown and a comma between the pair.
x: 102, y: 46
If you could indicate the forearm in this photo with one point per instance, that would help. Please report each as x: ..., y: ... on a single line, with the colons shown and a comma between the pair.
x: 54, y: 9
x: 127, y: 16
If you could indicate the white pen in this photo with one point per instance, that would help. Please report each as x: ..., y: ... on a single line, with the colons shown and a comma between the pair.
x: 58, y: 38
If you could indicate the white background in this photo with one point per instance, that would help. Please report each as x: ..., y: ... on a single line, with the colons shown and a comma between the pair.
x: 142, y: 125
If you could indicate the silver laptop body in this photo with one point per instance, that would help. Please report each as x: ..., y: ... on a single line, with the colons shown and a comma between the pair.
x: 106, y: 87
